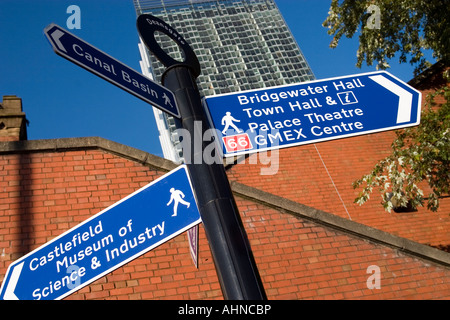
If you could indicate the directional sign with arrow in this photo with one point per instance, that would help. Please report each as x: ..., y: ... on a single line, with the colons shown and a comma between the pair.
x: 101, y: 64
x: 126, y: 230
x: 310, y: 112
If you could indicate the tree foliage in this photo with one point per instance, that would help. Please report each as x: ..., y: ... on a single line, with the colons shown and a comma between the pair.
x: 419, y: 154
x: 407, y: 27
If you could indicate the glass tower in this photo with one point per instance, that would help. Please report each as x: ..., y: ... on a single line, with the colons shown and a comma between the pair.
x: 241, y: 45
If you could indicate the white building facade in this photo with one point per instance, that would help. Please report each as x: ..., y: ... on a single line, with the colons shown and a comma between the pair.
x: 241, y: 45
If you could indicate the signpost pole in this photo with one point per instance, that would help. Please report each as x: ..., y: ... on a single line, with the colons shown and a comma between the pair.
x: 236, y: 268
x: 227, y: 238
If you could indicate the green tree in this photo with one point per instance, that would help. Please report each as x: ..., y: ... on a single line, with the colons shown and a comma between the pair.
x: 422, y: 153
x: 407, y: 27
x: 419, y: 154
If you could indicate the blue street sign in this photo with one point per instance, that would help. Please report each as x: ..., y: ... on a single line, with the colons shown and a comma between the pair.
x: 310, y: 112
x: 126, y: 230
x: 101, y: 64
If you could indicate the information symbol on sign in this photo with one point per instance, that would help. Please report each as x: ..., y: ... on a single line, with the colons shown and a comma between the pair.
x: 347, y: 97
x: 237, y: 142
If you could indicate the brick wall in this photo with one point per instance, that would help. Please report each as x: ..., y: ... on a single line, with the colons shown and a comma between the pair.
x: 299, y: 259
x: 302, y: 177
x: 44, y: 193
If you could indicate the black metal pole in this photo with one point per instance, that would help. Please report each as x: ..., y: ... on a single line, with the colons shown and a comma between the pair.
x: 233, y: 258
x: 235, y: 265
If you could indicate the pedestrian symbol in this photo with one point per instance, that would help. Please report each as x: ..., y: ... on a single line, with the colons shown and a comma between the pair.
x: 177, y: 197
x: 227, y: 121
x: 167, y: 100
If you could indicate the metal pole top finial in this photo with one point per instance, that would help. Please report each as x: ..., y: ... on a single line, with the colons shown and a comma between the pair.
x: 147, y: 25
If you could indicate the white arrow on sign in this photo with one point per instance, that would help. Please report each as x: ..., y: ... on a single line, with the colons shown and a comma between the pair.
x: 9, y: 292
x: 405, y: 101
x: 56, y: 35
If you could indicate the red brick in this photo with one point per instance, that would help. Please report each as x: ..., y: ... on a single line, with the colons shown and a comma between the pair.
x: 297, y: 259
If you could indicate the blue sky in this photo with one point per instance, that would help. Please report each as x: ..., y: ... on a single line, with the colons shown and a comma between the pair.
x: 62, y: 100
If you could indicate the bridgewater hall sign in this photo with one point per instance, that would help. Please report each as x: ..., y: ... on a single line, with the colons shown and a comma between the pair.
x: 310, y: 112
